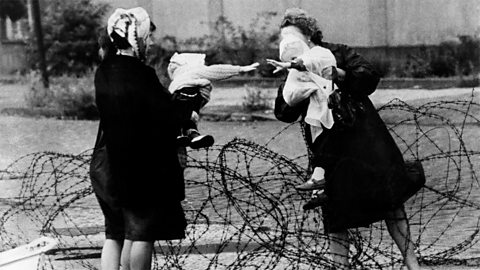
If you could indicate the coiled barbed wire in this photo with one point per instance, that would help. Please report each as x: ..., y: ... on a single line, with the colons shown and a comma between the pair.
x: 243, y: 211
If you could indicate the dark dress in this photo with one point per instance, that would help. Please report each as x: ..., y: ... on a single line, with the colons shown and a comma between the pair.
x: 140, y: 128
x: 364, y: 168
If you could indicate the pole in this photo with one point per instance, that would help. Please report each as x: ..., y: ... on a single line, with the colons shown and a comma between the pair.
x: 39, y: 34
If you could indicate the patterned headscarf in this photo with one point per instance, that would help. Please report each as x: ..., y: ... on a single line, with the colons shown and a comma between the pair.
x: 133, y: 25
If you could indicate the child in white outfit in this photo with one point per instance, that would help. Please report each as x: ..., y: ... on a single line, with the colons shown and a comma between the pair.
x: 309, y: 84
x: 191, y: 86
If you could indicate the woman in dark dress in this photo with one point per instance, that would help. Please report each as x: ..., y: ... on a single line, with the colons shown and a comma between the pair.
x: 364, y: 168
x: 142, y: 193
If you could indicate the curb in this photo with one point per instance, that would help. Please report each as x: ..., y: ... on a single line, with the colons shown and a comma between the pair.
x: 385, y: 83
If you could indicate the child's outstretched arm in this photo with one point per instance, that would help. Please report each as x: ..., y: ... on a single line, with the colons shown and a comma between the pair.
x: 220, y: 72
x: 279, y: 66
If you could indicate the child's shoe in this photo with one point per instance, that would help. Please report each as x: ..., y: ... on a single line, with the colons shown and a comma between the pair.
x: 198, y: 141
x: 183, y: 141
x: 311, y: 184
x: 316, y: 201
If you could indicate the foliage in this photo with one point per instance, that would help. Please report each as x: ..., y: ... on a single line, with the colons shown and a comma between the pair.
x: 14, y: 9
x: 70, y: 36
x: 382, y: 65
x: 417, y: 66
x: 468, y: 55
x: 71, y: 97
x: 459, y: 57
x: 255, y: 99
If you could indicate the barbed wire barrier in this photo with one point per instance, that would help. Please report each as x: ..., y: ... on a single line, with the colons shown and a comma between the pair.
x: 243, y: 211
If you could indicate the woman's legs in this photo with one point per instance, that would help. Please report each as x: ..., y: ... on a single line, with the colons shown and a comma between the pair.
x: 125, y: 259
x: 141, y: 255
x: 397, y: 225
x: 137, y: 255
x: 110, y: 259
x: 339, y: 247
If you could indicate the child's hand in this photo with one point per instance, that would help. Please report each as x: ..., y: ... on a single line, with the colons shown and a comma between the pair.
x: 279, y: 66
x: 249, y: 67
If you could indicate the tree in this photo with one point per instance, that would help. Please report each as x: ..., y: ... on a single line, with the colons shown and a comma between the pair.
x: 70, y: 34
x: 14, y: 9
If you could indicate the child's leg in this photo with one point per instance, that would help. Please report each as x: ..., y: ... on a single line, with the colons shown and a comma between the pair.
x: 316, y: 181
x: 318, y: 173
x: 197, y: 140
x: 184, y: 102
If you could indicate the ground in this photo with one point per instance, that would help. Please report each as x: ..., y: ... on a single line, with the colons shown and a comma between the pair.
x: 22, y: 136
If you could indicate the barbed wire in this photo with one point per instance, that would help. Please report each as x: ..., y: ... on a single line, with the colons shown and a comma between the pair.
x: 243, y: 211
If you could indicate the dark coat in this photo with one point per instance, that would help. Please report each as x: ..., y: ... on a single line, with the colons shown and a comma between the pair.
x: 140, y: 128
x: 363, y: 165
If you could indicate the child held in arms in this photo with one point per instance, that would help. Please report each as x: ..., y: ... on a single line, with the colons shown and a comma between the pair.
x: 304, y: 81
x: 191, y: 86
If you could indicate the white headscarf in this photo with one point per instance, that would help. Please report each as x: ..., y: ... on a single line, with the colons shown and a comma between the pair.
x: 133, y: 25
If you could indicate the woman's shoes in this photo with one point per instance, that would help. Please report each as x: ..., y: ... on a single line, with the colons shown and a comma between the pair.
x: 311, y: 184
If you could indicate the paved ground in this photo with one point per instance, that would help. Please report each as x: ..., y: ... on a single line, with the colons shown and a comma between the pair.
x: 20, y: 130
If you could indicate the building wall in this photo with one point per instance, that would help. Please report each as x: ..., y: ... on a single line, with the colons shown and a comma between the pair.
x: 414, y: 22
x: 362, y: 23
x: 381, y: 24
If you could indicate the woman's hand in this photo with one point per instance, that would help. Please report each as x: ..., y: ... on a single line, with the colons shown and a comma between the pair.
x: 279, y: 66
x: 249, y: 67
x: 333, y: 73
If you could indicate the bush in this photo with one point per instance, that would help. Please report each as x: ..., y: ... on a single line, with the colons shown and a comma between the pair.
x: 382, y: 65
x: 255, y: 99
x: 70, y: 36
x: 67, y: 97
x: 468, y: 55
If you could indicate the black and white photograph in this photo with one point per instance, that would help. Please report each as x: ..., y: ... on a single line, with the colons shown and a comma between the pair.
x: 239, y: 134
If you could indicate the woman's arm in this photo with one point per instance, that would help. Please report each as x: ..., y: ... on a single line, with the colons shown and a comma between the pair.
x: 361, y: 78
x: 285, y: 112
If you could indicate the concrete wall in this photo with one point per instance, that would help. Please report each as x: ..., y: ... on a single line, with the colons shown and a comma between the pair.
x: 413, y: 22
x: 358, y: 23
x: 362, y: 23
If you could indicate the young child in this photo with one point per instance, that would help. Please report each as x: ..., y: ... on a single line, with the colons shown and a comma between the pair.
x: 309, y: 84
x: 191, y: 86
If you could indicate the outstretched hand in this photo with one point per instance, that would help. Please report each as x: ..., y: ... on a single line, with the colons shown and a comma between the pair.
x: 249, y: 67
x: 279, y: 66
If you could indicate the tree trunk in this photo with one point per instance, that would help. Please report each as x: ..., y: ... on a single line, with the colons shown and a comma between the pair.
x: 39, y: 34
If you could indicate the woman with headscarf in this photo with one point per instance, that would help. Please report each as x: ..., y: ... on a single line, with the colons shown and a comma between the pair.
x: 365, y: 172
x: 141, y: 190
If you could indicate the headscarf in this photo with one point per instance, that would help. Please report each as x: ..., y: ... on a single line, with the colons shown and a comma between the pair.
x: 133, y: 25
